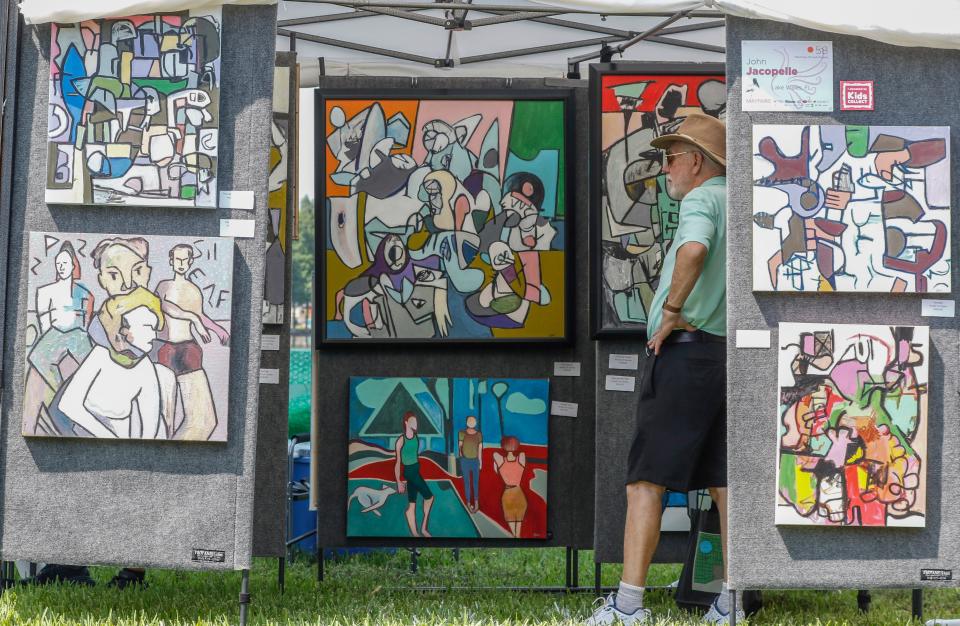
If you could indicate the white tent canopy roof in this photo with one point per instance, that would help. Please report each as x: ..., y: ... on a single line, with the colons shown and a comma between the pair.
x: 42, y: 11
x: 928, y: 23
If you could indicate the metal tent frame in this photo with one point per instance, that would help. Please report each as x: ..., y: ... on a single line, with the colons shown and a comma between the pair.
x: 611, y: 42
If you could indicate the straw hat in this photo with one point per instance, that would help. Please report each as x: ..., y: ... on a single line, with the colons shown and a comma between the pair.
x: 703, y: 131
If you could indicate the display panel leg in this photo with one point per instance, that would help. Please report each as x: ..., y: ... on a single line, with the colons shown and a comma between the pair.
x: 863, y: 600
x: 320, y: 563
x: 576, y: 568
x: 414, y: 560
x: 733, y: 607
x: 596, y: 578
x: 281, y: 573
x: 917, y: 604
x: 244, y: 596
x: 456, y: 554
x: 568, y: 581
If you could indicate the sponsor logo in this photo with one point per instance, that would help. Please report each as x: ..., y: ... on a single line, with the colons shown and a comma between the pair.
x: 208, y: 556
x: 856, y: 95
x: 936, y: 574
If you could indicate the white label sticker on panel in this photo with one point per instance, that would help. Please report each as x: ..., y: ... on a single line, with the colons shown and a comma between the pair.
x: 753, y: 338
x: 243, y: 229
x: 620, y: 383
x: 236, y: 200
x: 269, y: 376
x: 563, y: 409
x: 566, y: 368
x: 624, y: 361
x: 270, y: 343
x: 938, y: 308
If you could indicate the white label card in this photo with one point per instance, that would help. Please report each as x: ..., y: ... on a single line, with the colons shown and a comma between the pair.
x: 236, y: 200
x: 566, y: 368
x: 563, y: 409
x: 624, y: 361
x: 270, y: 343
x: 787, y: 75
x: 243, y: 229
x: 938, y: 308
x: 753, y: 338
x: 269, y: 376
x: 620, y: 383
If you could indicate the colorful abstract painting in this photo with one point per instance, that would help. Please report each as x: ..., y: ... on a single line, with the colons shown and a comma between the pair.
x: 281, y: 195
x: 851, y: 208
x: 127, y: 336
x: 635, y: 215
x: 448, y: 457
x: 852, y: 425
x: 443, y: 219
x: 135, y: 110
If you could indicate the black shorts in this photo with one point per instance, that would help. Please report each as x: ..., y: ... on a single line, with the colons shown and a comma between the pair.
x: 681, y: 437
x: 416, y: 485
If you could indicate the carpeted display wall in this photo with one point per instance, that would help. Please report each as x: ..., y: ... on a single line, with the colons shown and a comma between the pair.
x: 913, y: 86
x: 570, y: 482
x: 141, y: 503
x: 270, y: 499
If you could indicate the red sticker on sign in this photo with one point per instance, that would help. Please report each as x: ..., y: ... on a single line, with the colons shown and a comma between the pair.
x: 856, y: 95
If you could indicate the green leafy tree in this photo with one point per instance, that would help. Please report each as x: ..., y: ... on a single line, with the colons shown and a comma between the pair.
x: 303, y: 254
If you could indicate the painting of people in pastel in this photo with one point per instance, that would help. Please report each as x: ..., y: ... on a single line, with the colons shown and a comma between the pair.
x: 135, y: 110
x: 444, y: 220
x: 851, y: 208
x: 638, y: 216
x: 127, y: 337
x: 448, y: 457
x: 853, y: 425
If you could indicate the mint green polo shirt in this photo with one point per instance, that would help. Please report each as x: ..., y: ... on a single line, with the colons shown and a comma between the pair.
x: 703, y: 218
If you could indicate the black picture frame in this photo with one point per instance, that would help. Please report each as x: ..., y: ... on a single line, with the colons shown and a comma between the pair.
x: 597, y: 72
x: 564, y: 95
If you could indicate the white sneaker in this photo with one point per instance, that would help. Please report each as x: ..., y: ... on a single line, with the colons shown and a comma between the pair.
x: 714, y: 616
x: 608, y: 614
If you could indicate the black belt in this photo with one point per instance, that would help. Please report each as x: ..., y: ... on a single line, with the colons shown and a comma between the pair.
x: 694, y: 336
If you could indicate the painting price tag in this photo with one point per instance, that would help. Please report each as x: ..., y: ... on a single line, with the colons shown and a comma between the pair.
x: 270, y: 343
x: 620, y: 383
x: 624, y: 361
x: 242, y: 229
x: 269, y: 376
x: 753, y: 338
x: 563, y: 409
x: 566, y: 368
x: 938, y: 308
x: 242, y: 200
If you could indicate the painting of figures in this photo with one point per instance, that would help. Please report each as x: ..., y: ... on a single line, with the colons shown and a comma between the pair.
x: 852, y: 425
x: 127, y: 336
x: 851, y: 208
x: 134, y: 110
x: 443, y: 219
x: 448, y: 457
x: 634, y: 216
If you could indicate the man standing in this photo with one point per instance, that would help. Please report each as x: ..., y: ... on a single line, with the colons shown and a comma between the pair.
x: 680, y: 442
x: 470, y: 447
x: 183, y: 308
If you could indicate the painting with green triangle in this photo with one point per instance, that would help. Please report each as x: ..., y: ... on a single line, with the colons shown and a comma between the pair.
x: 463, y: 458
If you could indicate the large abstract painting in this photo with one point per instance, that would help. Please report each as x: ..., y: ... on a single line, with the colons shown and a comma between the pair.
x: 448, y: 457
x: 127, y: 336
x: 282, y: 191
x: 851, y: 208
x: 852, y: 425
x: 134, y: 110
x: 634, y: 215
x: 444, y: 219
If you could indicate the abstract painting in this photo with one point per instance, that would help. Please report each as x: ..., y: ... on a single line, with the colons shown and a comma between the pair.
x: 851, y: 208
x: 448, y: 457
x: 443, y: 219
x: 634, y: 215
x: 282, y: 193
x: 127, y: 336
x: 852, y: 425
x: 135, y: 110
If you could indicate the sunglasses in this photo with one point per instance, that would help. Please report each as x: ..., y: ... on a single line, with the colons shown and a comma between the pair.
x: 668, y: 157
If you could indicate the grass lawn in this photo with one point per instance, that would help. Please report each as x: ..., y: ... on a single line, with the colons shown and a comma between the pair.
x: 373, y: 590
